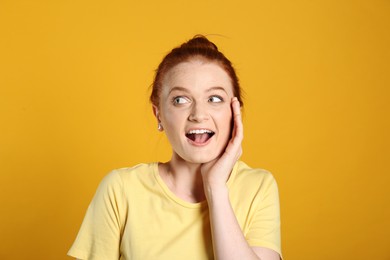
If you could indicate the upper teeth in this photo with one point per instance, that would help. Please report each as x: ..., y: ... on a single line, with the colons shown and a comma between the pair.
x: 199, y: 131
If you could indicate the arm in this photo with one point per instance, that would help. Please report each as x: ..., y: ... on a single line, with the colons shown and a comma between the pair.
x: 228, y: 240
x: 99, y: 235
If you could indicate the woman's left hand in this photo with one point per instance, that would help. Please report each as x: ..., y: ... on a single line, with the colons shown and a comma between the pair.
x: 217, y: 172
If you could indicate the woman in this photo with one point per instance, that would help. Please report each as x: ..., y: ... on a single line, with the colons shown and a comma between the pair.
x: 203, y: 203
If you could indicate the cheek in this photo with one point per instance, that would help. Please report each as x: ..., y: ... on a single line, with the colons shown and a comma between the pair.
x: 173, y: 119
x: 225, y: 119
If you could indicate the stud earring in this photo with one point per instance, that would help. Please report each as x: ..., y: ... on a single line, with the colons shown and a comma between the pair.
x: 159, y: 127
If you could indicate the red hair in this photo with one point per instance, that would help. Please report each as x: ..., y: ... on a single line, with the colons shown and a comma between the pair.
x: 197, y: 47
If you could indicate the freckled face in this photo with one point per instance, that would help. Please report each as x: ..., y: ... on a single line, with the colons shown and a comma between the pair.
x: 195, y: 110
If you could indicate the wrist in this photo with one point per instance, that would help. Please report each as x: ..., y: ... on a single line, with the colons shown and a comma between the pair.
x: 216, y: 192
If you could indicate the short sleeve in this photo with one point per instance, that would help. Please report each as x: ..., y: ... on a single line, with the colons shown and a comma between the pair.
x: 264, y: 230
x: 100, y: 232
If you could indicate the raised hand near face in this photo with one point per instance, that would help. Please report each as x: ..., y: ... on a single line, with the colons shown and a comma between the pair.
x: 216, y: 173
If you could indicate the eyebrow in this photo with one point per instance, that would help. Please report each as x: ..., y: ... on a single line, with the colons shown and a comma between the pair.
x: 216, y: 88
x: 177, y: 89
x: 186, y: 90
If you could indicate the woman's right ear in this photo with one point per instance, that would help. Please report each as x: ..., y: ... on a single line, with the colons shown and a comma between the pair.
x: 157, y: 115
x: 156, y: 112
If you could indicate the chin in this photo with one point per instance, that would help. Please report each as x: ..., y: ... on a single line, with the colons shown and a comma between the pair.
x: 200, y: 158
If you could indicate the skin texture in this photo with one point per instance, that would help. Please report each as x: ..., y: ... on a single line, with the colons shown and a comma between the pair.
x: 203, y: 93
x: 199, y: 95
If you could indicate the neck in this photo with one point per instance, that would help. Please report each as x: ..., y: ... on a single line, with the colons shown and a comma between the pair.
x: 183, y: 179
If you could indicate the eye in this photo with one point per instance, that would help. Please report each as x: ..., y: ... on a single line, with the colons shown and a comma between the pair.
x: 215, y: 99
x: 180, y: 100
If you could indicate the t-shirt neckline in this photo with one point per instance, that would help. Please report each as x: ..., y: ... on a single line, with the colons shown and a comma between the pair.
x: 180, y: 201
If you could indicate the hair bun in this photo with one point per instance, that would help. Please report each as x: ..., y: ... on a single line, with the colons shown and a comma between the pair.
x: 199, y: 42
x: 199, y: 47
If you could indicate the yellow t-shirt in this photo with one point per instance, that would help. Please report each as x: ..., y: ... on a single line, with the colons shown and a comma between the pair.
x: 135, y: 216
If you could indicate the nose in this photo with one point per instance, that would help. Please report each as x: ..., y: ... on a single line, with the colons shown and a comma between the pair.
x: 198, y: 113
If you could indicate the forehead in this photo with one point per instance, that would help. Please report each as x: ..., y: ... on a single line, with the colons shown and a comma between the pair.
x: 197, y: 75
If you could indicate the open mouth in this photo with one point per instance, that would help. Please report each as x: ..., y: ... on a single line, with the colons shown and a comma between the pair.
x: 200, y: 136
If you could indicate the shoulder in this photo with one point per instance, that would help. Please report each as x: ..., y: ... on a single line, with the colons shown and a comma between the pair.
x: 120, y: 177
x: 136, y: 171
x: 139, y: 169
x: 247, y: 173
x: 253, y: 181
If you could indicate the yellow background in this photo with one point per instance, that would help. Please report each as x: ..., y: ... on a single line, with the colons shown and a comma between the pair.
x: 74, y: 78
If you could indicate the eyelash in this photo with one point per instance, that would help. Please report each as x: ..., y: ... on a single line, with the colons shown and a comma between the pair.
x: 216, y: 96
x: 176, y: 98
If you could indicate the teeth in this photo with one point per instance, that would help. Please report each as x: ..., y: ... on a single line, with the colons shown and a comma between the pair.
x: 200, y: 131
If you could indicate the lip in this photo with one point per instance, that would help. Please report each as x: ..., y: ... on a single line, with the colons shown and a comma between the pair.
x: 199, y: 144
x: 199, y: 128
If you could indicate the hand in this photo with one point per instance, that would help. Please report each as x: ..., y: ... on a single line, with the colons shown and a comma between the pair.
x: 217, y: 172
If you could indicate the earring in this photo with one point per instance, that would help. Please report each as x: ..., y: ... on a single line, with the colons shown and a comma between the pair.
x: 159, y: 127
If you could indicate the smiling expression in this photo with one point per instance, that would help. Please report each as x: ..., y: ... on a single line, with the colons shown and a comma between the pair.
x: 195, y: 110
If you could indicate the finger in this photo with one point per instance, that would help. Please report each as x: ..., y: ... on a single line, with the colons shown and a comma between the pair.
x: 234, y: 149
x: 238, y: 127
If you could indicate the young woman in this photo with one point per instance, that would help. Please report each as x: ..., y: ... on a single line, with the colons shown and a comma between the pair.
x: 202, y: 204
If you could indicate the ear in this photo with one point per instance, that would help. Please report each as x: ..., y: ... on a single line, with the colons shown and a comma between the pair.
x: 156, y: 112
x: 157, y: 115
